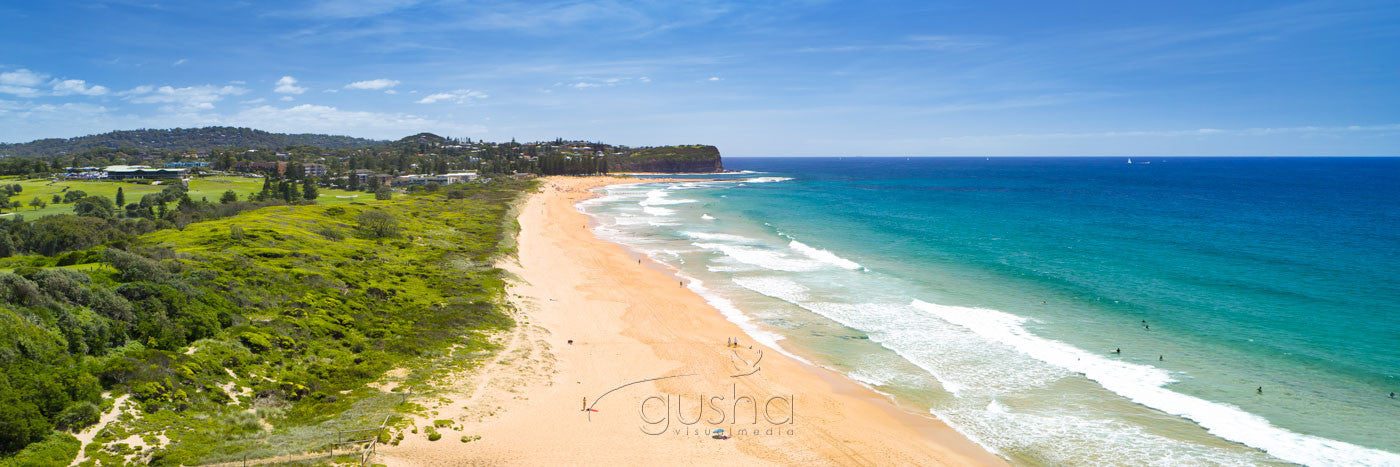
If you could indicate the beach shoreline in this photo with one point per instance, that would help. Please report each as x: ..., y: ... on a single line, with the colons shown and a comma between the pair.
x: 613, y: 353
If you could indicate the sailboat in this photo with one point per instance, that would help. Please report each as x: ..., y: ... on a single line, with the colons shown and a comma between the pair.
x: 1130, y: 160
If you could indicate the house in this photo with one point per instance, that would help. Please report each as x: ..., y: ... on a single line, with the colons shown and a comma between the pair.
x: 141, y: 172
x: 314, y: 170
x: 364, y: 175
x: 443, y: 179
x: 247, y: 166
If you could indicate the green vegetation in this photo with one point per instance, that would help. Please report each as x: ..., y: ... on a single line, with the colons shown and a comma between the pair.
x: 254, y: 333
x: 56, y: 449
x: 213, y: 189
x: 181, y: 139
x: 670, y: 159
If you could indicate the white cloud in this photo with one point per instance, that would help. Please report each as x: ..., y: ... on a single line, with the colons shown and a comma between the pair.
x: 287, y: 98
x: 325, y: 119
x: 380, y: 83
x: 390, y: 92
x: 21, y: 82
x: 713, y: 78
x: 582, y: 85
x: 180, y: 62
x: 254, y: 101
x: 22, y: 77
x: 460, y: 96
x: 20, y: 91
x: 142, y: 89
x: 186, y: 98
x: 77, y: 86
x: 25, y: 83
x: 288, y: 85
x: 644, y: 79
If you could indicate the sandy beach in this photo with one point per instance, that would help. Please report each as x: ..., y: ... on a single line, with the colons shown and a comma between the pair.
x: 645, y: 353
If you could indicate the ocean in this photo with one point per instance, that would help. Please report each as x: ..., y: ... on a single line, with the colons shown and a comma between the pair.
x: 1066, y: 310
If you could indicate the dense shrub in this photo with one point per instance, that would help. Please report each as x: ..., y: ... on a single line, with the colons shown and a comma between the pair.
x: 378, y: 224
x: 77, y: 416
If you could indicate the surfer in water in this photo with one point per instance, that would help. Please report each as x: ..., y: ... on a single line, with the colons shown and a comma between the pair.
x: 1118, y: 351
x: 1260, y: 390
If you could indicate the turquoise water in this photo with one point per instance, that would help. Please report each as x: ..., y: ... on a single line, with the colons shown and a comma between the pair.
x: 993, y: 293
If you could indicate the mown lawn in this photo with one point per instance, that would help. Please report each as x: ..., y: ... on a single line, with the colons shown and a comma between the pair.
x: 210, y: 188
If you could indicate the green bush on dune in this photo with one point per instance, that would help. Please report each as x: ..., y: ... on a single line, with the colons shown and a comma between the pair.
x: 269, y: 299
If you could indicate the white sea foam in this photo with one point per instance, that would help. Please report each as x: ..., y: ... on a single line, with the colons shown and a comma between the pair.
x: 824, y: 256
x: 766, y: 179
x: 707, y: 217
x: 777, y: 287
x: 1143, y: 384
x: 735, y: 316
x: 1066, y: 437
x: 720, y: 237
x: 655, y: 211
x: 660, y: 198
x: 761, y: 257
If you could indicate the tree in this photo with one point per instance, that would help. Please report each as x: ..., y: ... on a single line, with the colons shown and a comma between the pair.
x: 37, y: 203
x: 73, y: 195
x: 57, y: 199
x: 228, y: 197
x: 94, y: 206
x: 21, y: 423
x: 121, y: 197
x: 309, y: 189
x: 383, y: 193
x: 378, y: 224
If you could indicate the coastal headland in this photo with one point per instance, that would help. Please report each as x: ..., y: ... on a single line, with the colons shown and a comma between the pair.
x: 614, y: 360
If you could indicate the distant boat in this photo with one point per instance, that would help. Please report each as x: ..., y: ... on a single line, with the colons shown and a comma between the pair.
x: 1130, y: 160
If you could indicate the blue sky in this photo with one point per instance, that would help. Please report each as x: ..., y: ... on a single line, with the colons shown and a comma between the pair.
x: 761, y: 78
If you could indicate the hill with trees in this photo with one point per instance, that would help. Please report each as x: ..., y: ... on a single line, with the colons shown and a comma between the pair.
x: 182, y: 139
x: 693, y: 158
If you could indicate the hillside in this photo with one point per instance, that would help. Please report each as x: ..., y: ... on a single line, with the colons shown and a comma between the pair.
x: 181, y: 139
x: 669, y: 159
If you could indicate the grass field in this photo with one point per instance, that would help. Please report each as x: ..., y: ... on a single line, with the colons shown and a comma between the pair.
x: 206, y: 187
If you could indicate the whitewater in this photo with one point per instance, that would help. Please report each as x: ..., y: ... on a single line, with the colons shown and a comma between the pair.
x: 986, y: 372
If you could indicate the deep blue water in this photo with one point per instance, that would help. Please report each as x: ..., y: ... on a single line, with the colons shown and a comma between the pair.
x: 1220, y: 274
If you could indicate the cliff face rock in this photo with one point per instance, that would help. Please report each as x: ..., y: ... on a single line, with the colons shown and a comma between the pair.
x: 669, y: 159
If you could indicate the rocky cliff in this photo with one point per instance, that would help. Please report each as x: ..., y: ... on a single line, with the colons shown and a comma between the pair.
x: 669, y: 159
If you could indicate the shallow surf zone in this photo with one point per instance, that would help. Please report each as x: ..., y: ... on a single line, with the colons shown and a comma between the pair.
x: 985, y: 372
